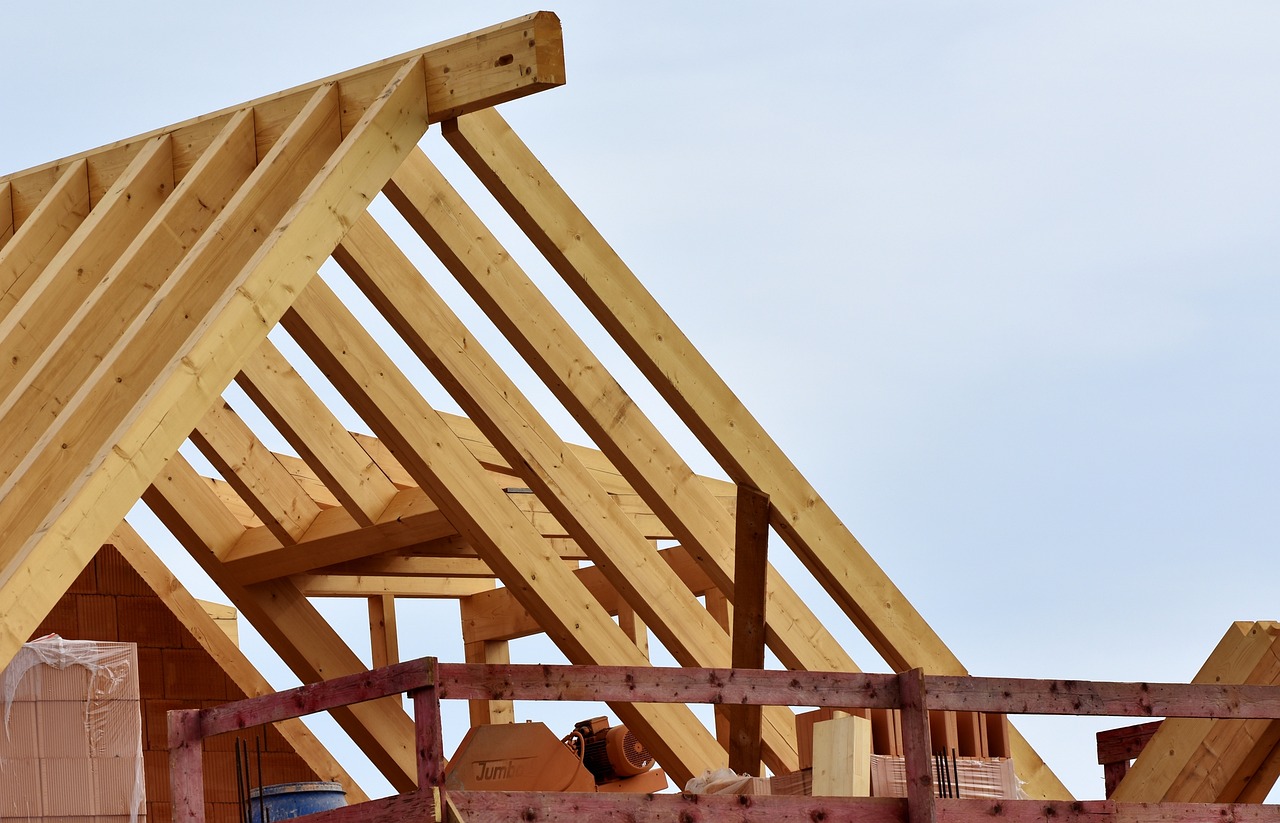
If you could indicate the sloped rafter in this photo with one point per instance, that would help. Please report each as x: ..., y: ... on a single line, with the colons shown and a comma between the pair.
x: 441, y: 464
x: 30, y: 247
x: 496, y: 404
x: 317, y: 435
x: 126, y: 441
x: 584, y: 385
x: 664, y: 354
x: 295, y: 630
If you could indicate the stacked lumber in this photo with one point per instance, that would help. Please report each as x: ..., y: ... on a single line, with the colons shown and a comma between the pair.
x: 1199, y: 760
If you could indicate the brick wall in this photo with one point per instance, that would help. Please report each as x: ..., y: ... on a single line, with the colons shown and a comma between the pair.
x: 109, y: 601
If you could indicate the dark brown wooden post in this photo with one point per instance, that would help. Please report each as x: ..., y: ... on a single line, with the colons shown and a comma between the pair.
x: 428, y: 733
x: 917, y: 748
x: 186, y: 771
x: 750, y: 567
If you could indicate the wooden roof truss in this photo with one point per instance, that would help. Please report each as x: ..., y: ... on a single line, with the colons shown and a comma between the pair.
x: 137, y: 281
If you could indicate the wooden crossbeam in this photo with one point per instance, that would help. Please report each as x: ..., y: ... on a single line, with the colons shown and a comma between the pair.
x: 612, y: 541
x: 441, y: 464
x: 283, y: 616
x: 705, y: 403
x: 694, y: 513
x: 427, y: 588
x: 255, y: 473
x: 315, y: 433
x: 473, y: 71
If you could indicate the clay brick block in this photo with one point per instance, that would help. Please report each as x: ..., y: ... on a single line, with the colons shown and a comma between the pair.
x: 68, y: 786
x: 18, y: 737
x: 87, y: 581
x: 23, y: 796
x: 191, y: 674
x: 96, y: 615
x: 147, y: 622
x: 62, y: 620
x: 155, y: 768
x: 116, y: 782
x: 150, y: 672
x: 116, y: 576
x: 220, y: 777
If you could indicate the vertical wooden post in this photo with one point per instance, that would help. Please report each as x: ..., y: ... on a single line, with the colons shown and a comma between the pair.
x: 487, y: 712
x: 428, y: 734
x: 383, y: 636
x: 186, y: 771
x: 750, y: 565
x: 917, y: 749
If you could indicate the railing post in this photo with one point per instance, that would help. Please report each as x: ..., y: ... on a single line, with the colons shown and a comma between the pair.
x: 186, y: 771
x: 428, y: 737
x: 917, y: 748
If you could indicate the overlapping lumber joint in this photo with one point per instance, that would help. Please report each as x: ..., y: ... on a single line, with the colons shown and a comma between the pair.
x: 139, y: 280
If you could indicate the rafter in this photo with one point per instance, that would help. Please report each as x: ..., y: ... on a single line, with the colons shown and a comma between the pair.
x: 249, y: 466
x: 441, y: 464
x: 466, y: 73
x: 315, y: 432
x: 295, y: 630
x: 187, y: 357
x: 36, y: 242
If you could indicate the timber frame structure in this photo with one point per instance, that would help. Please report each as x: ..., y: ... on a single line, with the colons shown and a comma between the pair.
x: 139, y: 280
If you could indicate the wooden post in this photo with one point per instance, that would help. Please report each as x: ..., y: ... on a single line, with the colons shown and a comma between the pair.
x: 751, y: 563
x: 426, y: 716
x: 917, y: 750
x: 186, y: 771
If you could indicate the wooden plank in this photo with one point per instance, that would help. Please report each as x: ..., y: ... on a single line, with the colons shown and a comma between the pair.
x: 440, y: 463
x: 484, y: 652
x: 634, y: 628
x: 1154, y: 771
x: 1124, y: 744
x: 36, y: 240
x: 286, y: 620
x: 315, y: 432
x: 511, y: 422
x: 44, y: 310
x: 403, y: 565
x: 336, y: 585
x: 336, y: 537
x: 751, y: 563
x: 581, y: 382
x: 221, y: 647
x: 476, y: 70
x: 706, y: 404
x: 429, y: 739
x: 248, y: 465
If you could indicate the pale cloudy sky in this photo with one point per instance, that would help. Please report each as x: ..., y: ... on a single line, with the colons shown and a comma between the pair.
x: 1000, y: 277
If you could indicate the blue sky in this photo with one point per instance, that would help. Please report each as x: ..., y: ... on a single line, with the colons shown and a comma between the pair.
x: 999, y: 277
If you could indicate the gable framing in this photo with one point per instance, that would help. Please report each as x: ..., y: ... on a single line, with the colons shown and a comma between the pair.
x: 139, y: 280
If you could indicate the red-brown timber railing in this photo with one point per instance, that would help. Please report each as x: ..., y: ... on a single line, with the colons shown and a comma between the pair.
x: 428, y: 682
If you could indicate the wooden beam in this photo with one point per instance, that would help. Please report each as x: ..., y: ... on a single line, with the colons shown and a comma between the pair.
x: 384, y: 642
x: 286, y: 620
x: 705, y: 403
x: 512, y: 423
x: 433, y: 588
x: 178, y: 384
x: 1155, y: 771
x: 487, y: 712
x: 751, y: 552
x: 476, y: 70
x: 335, y: 537
x: 401, y: 565
x: 441, y: 464
x: 37, y: 240
x: 315, y: 432
x: 248, y: 465
x: 214, y: 640
x: 631, y: 442
x: 44, y: 310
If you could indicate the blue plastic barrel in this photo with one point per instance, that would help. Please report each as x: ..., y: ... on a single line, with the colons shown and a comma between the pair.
x: 286, y: 800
